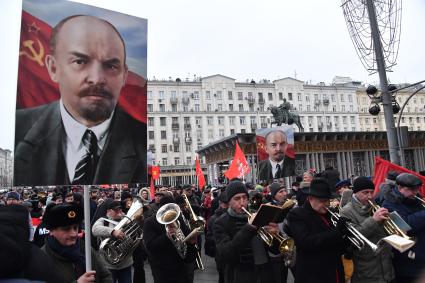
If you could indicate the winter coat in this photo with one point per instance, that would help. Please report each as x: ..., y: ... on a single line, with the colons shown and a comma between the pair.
x: 319, y: 246
x: 67, y: 268
x: 412, y: 211
x: 368, y: 266
x: 166, y: 264
x: 101, y: 232
x: 234, y: 247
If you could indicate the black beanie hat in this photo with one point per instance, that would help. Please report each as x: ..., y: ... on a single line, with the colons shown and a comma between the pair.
x: 274, y: 188
x: 362, y: 183
x: 235, y: 187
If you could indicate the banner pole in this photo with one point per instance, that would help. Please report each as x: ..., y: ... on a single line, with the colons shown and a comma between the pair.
x: 87, y: 231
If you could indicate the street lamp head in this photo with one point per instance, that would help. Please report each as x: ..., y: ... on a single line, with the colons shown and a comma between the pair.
x: 374, y: 109
x: 396, y: 107
x: 371, y: 90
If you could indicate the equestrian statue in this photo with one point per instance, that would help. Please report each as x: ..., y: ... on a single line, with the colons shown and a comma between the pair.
x: 283, y: 115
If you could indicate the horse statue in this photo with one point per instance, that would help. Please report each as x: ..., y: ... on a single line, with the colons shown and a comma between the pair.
x: 283, y: 115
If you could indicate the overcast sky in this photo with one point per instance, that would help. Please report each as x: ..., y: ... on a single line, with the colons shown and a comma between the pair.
x: 242, y: 39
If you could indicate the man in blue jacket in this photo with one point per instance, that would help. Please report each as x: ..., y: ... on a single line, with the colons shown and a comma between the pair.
x: 410, y: 264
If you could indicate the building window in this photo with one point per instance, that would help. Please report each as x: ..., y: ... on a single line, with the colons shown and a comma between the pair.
x: 209, y: 107
x: 232, y: 131
x: 230, y: 107
x: 333, y: 97
x: 173, y: 94
x: 289, y: 96
x: 280, y: 96
x: 343, y: 108
x: 219, y: 95
x: 299, y: 97
x: 149, y: 94
x: 210, y: 120
x: 221, y: 120
x: 163, y: 135
x: 196, y: 95
x: 243, y: 131
x: 351, y: 108
x: 150, y: 121
x: 161, y: 95
x: 374, y: 120
x: 197, y: 107
x: 163, y: 121
x: 232, y: 121
x: 220, y: 107
x: 307, y: 97
x: 188, y: 160
x: 242, y: 120
x: 207, y: 94
x: 229, y: 95
x: 342, y: 97
x: 240, y: 96
x: 270, y: 96
x: 344, y: 120
x: 188, y: 148
x: 221, y: 133
x: 240, y: 107
x: 162, y: 107
x: 350, y: 98
x: 176, y: 160
x: 308, y: 107
x: 198, y: 121
x: 176, y: 148
x: 250, y: 95
x: 150, y: 108
x: 163, y: 148
x: 333, y: 108
x: 352, y: 119
x: 366, y: 120
x: 210, y: 134
x: 164, y: 162
x: 151, y: 135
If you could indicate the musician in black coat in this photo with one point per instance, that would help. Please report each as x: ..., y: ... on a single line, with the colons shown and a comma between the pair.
x: 319, y: 244
x: 166, y: 264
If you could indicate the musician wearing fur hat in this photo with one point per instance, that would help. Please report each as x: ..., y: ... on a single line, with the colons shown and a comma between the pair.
x: 402, y: 199
x: 237, y: 245
x: 368, y: 266
x: 66, y: 249
x: 319, y: 244
x: 103, y: 229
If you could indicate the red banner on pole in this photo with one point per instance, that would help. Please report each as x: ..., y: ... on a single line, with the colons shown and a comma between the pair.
x: 382, y: 167
x: 156, y: 170
x: 200, y: 174
x: 239, y: 166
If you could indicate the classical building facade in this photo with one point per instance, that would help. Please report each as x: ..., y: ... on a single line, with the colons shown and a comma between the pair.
x: 6, y: 168
x: 184, y: 116
x: 413, y: 115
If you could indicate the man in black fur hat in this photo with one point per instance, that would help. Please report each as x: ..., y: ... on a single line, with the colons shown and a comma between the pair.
x: 66, y: 249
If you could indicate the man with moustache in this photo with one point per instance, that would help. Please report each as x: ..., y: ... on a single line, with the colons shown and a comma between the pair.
x: 276, y: 166
x: 84, y: 138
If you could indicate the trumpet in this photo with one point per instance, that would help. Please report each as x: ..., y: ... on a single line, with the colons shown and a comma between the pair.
x: 389, y: 226
x: 355, y: 237
x: 421, y: 200
x: 285, y: 244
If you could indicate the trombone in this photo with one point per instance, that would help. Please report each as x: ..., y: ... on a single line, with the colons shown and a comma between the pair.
x: 355, y: 237
x: 286, y: 244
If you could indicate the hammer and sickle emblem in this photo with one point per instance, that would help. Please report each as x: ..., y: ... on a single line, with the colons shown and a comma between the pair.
x: 72, y: 214
x: 33, y: 55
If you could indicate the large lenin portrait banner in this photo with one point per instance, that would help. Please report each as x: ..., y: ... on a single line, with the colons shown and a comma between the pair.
x: 81, y: 96
x: 275, y: 153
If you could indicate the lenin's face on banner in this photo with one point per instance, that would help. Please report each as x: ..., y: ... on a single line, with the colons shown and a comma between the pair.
x: 88, y: 64
x: 276, y: 145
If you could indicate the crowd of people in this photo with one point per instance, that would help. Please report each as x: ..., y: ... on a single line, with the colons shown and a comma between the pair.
x: 42, y: 232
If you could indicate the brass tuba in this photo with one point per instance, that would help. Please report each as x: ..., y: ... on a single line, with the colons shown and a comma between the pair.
x: 115, y: 250
x: 168, y: 215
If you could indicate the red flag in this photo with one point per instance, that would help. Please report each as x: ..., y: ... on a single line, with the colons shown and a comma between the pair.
x: 200, y: 174
x: 382, y: 167
x: 152, y: 189
x: 35, y: 87
x: 239, y: 166
x: 156, y: 170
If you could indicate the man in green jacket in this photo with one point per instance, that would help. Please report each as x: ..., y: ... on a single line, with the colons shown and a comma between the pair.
x: 65, y: 248
x: 369, y: 267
